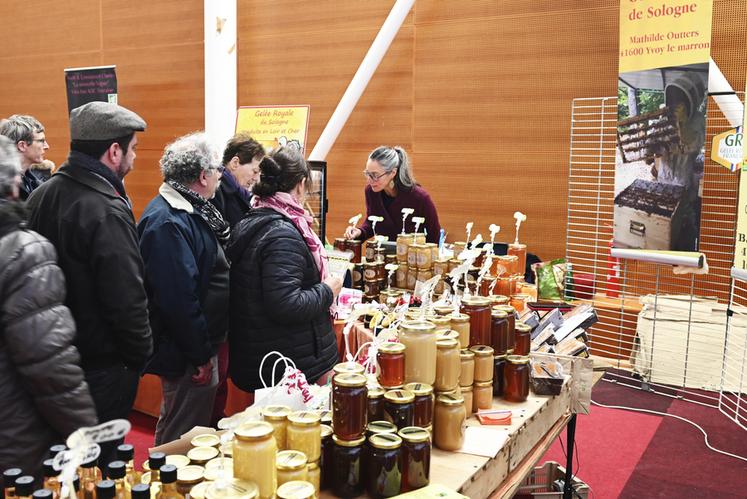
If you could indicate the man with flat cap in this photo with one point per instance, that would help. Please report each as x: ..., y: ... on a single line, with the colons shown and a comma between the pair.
x: 85, y: 212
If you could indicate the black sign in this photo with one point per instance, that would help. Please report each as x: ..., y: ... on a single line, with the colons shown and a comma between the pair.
x: 86, y: 85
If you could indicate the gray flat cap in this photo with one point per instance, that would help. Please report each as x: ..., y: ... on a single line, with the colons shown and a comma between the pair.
x: 102, y: 121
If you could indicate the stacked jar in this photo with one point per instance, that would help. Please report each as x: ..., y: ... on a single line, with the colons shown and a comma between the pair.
x: 482, y: 389
x: 350, y: 409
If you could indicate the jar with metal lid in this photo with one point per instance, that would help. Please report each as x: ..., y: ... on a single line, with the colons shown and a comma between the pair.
x: 483, y: 362
x: 389, y: 297
x: 357, y: 276
x: 412, y: 255
x: 346, y: 468
x: 201, y: 455
x: 516, y: 378
x: 424, y: 275
x: 468, y: 401
x: 375, y: 405
x: 440, y: 267
x: 369, y: 271
x: 348, y: 367
x: 454, y: 263
x: 399, y: 407
x: 416, y: 457
x: 305, y: 434
x: 448, y: 334
x: 511, y: 318
x: 499, y: 364
x: 390, y: 258
x: 291, y: 465
x: 391, y: 359
x: 349, y: 406
x: 339, y: 244
x: 486, y: 284
x: 325, y: 463
x: 377, y: 427
x: 419, y: 237
x: 325, y: 416
x: 505, y: 285
x: 400, y: 276
x: 254, y: 450
x: 523, y: 338
x: 234, y: 489
x: 461, y: 324
x: 499, y: 332
x: 412, y: 277
x: 187, y: 477
x: 423, y: 403
x: 519, y: 301
x: 403, y: 245
x: 180, y: 461
x: 449, y: 422
x: 355, y: 247
x: 498, y: 300
x: 520, y: 252
x: 466, y: 368
x: 419, y: 339
x: 478, y: 309
x: 443, y: 310
x: 314, y: 476
x: 206, y: 440
x: 503, y: 265
x: 381, y: 272
x: 384, y: 465
x: 371, y: 250
x: 424, y: 256
x: 297, y: 489
x: 447, y: 365
x: 442, y: 323
x: 372, y: 288
x: 482, y: 393
x: 277, y: 416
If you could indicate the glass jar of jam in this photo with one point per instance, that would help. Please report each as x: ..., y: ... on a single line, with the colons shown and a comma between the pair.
x: 348, y: 367
x: 314, y: 477
x: 482, y: 393
x: 516, y: 378
x: 440, y: 267
x: 399, y: 408
x: 391, y: 359
x: 356, y: 248
x: 412, y: 277
x: 254, y: 450
x: 325, y: 462
x: 305, y: 434
x: 400, y: 276
x: 483, y: 362
x: 384, y: 465
x: 416, y: 457
x: 340, y: 244
x: 372, y: 288
x: 423, y: 403
x: 523, y: 338
x: 291, y: 465
x: 478, y: 309
x: 466, y: 368
x: 442, y: 323
x: 447, y: 365
x: 403, y: 245
x: 520, y: 252
x: 349, y: 406
x: 499, y: 332
x: 486, y: 284
x: 511, y: 318
x: 519, y: 301
x: 424, y: 255
x: 375, y: 404
x: 499, y: 364
x: 412, y: 255
x: 449, y: 422
x: 277, y: 416
x: 346, y: 470
x: 419, y: 339
x: 461, y: 324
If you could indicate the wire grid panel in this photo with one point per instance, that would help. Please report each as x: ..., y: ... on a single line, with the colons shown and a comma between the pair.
x: 733, y: 395
x: 674, y: 355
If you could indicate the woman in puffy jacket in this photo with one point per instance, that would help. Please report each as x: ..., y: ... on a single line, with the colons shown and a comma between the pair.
x: 281, y: 291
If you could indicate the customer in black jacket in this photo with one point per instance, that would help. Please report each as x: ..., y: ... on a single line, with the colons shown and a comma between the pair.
x: 44, y: 395
x: 281, y: 292
x: 85, y: 212
x: 241, y: 162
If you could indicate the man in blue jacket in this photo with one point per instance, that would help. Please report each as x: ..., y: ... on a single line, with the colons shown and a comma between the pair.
x: 186, y: 278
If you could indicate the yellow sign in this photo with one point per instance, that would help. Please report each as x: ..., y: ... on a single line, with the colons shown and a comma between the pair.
x: 726, y: 149
x: 274, y: 126
x: 740, y: 241
x: 664, y: 33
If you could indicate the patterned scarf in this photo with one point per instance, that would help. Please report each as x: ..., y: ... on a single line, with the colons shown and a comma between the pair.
x: 207, y: 211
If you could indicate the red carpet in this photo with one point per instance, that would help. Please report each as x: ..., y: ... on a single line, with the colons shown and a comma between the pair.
x: 141, y: 435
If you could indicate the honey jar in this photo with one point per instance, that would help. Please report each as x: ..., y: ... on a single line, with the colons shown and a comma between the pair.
x: 478, y: 309
x: 440, y: 267
x: 449, y: 422
x: 277, y: 416
x: 483, y: 362
x: 447, y: 365
x: 498, y: 300
x: 254, y: 450
x: 419, y: 339
x: 384, y: 465
x: 412, y: 255
x: 523, y: 338
x: 520, y: 252
x: 297, y: 489
x: 468, y: 401
x: 461, y: 324
x: 424, y: 257
x: 466, y: 368
x: 314, y: 474
x: 291, y: 465
x: 499, y: 364
x: 355, y: 247
x: 391, y: 359
x: 441, y: 322
x: 349, y: 406
x: 412, y: 277
x: 348, y: 367
x: 423, y: 403
x: 399, y: 408
x: 511, y: 318
x: 346, y: 469
x: 416, y: 457
x: 305, y: 434
x: 516, y: 378
x: 482, y: 393
x: 400, y: 276
x: 499, y: 332
x: 403, y: 245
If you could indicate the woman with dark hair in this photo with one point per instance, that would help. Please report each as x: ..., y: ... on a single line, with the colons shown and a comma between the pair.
x: 281, y: 291
x: 241, y: 162
x: 392, y: 187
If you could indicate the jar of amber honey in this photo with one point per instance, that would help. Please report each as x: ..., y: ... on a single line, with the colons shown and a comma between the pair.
x: 478, y: 309
x: 441, y: 322
x: 499, y: 332
x: 391, y: 359
x: 483, y: 362
x: 346, y: 468
x: 516, y: 378
x: 466, y: 368
x: 355, y: 247
x: 412, y: 255
x: 400, y: 276
x: 447, y: 365
x: 520, y: 252
x: 416, y: 457
x: 499, y: 364
x: 523, y: 338
x: 468, y: 401
x: 486, y: 285
x: 399, y: 408
x: 423, y: 403
x: 440, y: 267
x: 351, y: 367
x: 498, y: 300
x: 384, y: 465
x: 461, y: 324
x: 449, y: 422
x: 349, y: 406
x: 511, y: 318
x: 375, y: 409
x: 412, y: 277
x: 424, y: 256
x: 482, y: 395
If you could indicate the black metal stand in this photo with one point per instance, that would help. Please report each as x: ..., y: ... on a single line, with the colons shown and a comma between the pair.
x: 571, y: 440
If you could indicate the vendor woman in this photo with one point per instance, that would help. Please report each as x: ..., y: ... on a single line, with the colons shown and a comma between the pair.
x: 391, y: 187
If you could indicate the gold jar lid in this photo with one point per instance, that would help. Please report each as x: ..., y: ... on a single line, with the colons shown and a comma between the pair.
x: 498, y: 299
x: 466, y: 388
x: 190, y: 474
x: 325, y: 416
x: 483, y: 384
x: 391, y: 347
x: 198, y: 491
x: 235, y: 489
x: 419, y: 389
x: 466, y: 354
x: 524, y: 328
x: 376, y: 427
x: 500, y: 357
x: 275, y: 412
x: 290, y: 460
x: 326, y: 431
x: 314, y: 465
x: 414, y: 434
x: 498, y: 314
x: 178, y: 460
x: 375, y: 393
x: 145, y: 478
x: 447, y: 343
x: 418, y: 246
x: 456, y: 261
x: 350, y: 380
x: 254, y: 430
x: 304, y: 418
x: 443, y: 309
x: 438, y: 320
x: 448, y: 334
x: 225, y: 462
x: 385, y: 441
x: 518, y: 359
x: 201, y: 455
x: 215, y: 473
x: 399, y: 396
x: 450, y: 399
x: 206, y: 440
x: 348, y: 367
x: 417, y: 326
x: 448, y: 392
x: 405, y: 236
x: 475, y: 301
x: 296, y: 489
x: 459, y: 318
x: 506, y: 308
x: 226, y: 449
x: 348, y: 443
x: 482, y: 350
x: 370, y: 265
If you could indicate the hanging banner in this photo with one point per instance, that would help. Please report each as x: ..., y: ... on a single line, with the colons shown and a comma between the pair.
x: 274, y: 126
x: 92, y: 84
x: 662, y: 95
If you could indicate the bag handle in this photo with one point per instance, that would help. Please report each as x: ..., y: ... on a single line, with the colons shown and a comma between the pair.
x: 287, y: 361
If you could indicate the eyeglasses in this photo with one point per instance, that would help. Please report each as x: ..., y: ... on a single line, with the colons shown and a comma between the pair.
x: 374, y: 177
x: 42, y: 140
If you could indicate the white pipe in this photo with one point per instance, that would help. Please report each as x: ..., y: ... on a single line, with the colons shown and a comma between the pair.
x: 731, y: 106
x: 360, y: 81
x: 682, y: 258
x: 219, y: 25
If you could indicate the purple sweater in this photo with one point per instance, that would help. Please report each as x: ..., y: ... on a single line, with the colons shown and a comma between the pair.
x: 417, y: 199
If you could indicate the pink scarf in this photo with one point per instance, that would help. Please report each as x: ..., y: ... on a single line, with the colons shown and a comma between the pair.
x: 284, y: 203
